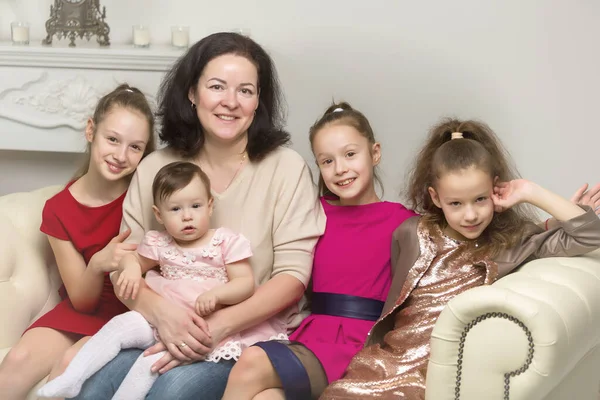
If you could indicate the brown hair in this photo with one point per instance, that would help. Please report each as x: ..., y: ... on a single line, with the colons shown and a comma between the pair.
x: 127, y: 97
x: 479, y: 148
x: 181, y: 129
x: 175, y: 176
x: 343, y: 114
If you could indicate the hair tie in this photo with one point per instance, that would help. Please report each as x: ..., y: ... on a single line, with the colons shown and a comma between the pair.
x: 456, y: 135
x: 337, y: 110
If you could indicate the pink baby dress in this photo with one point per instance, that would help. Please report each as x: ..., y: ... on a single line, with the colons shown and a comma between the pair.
x: 185, y: 273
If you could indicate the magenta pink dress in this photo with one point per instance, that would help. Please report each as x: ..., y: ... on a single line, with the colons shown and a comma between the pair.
x: 352, y: 257
x: 185, y: 273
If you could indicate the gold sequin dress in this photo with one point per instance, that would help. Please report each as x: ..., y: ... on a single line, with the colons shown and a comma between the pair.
x: 397, y: 368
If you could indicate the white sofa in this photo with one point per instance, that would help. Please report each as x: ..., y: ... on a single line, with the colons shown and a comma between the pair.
x: 540, y: 324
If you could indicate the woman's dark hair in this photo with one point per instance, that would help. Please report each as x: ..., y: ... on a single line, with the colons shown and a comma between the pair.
x: 181, y: 129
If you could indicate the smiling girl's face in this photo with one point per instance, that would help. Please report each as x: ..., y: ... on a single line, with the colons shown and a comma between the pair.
x: 347, y: 160
x: 117, y: 143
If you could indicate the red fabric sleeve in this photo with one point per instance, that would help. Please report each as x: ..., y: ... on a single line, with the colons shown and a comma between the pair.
x: 51, y: 224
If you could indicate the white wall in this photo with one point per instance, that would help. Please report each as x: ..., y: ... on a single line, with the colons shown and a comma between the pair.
x: 528, y: 68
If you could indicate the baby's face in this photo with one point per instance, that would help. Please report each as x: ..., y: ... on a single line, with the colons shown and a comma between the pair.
x: 186, y: 213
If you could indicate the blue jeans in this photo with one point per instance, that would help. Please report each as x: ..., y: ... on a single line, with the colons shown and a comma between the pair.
x: 198, y: 381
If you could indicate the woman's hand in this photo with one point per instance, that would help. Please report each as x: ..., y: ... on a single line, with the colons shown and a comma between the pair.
x: 168, y: 361
x: 508, y: 194
x: 185, y: 335
x: 107, y: 259
x: 587, y: 197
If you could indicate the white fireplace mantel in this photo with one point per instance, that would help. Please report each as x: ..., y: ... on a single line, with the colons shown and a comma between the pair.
x: 47, y: 93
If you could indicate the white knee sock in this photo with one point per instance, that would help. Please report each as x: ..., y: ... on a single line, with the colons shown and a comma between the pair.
x: 124, y: 331
x: 139, y: 379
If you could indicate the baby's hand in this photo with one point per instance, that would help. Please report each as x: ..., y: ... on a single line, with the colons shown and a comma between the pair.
x: 206, y: 304
x: 129, y: 283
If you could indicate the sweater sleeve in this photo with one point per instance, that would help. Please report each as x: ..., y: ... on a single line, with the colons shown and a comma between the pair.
x: 298, y: 223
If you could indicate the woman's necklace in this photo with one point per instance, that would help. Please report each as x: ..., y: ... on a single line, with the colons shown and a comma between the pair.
x: 237, y: 171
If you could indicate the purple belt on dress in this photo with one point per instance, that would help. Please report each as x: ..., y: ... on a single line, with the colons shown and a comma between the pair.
x: 344, y: 305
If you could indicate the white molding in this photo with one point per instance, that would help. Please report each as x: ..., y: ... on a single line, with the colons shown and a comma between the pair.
x: 48, y: 92
x: 63, y: 101
x: 114, y: 57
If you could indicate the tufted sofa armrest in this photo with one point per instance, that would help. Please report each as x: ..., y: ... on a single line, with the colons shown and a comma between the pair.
x: 523, y: 336
x: 28, y: 276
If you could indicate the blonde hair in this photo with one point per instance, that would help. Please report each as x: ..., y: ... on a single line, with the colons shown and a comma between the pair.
x: 127, y: 97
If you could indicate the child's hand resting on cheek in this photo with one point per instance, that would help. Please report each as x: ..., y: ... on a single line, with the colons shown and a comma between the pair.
x: 509, y: 194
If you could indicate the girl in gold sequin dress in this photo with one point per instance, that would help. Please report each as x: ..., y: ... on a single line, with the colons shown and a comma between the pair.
x: 471, y: 232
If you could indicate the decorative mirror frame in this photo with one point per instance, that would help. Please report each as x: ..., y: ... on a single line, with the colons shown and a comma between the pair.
x: 77, y: 18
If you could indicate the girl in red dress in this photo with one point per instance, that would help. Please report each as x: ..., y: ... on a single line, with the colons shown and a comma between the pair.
x: 82, y: 224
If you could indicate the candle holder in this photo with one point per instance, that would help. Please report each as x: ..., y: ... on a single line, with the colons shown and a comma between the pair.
x: 77, y: 18
x: 19, y: 33
x: 180, y: 36
x: 141, y: 36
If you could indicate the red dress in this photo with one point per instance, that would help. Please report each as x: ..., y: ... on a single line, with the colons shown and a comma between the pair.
x: 89, y: 229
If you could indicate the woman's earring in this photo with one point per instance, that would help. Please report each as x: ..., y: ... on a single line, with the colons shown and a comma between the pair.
x: 193, y: 105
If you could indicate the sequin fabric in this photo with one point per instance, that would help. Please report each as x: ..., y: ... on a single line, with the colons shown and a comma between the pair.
x: 397, y: 368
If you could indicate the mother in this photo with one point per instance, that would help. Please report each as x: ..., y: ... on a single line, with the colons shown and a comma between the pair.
x: 221, y: 108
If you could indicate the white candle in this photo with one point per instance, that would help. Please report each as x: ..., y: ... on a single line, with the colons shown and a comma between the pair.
x: 141, y: 36
x: 20, y: 33
x: 180, y: 36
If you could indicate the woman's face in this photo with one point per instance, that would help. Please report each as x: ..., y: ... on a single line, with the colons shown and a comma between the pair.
x: 226, y: 97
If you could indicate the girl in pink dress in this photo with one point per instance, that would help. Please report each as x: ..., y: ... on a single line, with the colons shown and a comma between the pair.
x: 351, y: 271
x: 200, y: 268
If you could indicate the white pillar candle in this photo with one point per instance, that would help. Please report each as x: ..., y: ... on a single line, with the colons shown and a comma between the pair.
x: 141, y: 36
x: 20, y: 32
x: 180, y: 36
